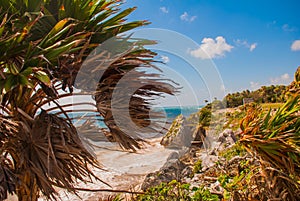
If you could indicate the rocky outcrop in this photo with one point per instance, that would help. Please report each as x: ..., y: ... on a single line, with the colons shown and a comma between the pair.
x: 176, y: 168
x: 171, y: 170
x: 181, y: 167
x: 178, y: 165
x: 179, y: 135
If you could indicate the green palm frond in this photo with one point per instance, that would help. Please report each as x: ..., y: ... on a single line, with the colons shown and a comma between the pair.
x: 43, y: 48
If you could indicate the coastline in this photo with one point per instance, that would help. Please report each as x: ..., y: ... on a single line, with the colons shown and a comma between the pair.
x: 122, y: 170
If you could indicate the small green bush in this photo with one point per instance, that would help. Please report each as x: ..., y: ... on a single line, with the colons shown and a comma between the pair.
x: 176, y: 191
x: 197, y: 167
x: 235, y: 150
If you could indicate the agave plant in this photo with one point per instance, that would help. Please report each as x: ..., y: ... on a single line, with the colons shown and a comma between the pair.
x: 43, y: 46
x: 275, y: 140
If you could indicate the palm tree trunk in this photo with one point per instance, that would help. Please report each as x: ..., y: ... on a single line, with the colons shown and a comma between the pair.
x: 27, y: 190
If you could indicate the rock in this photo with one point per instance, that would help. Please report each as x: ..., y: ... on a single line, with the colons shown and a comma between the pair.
x: 187, y: 172
x: 221, y: 138
x: 173, y: 131
x: 208, y: 160
x: 199, y: 137
x: 173, y: 155
x: 171, y: 160
x: 226, y: 133
x: 177, y: 167
x: 166, y: 174
x: 179, y: 135
x: 217, y: 187
x: 225, y: 139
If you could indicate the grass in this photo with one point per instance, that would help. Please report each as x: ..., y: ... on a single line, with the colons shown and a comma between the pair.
x: 271, y: 105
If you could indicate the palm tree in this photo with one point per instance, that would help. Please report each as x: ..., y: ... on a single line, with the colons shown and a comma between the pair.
x: 43, y: 46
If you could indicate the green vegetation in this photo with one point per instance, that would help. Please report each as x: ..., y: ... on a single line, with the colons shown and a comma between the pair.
x: 270, y: 135
x: 234, y: 117
x: 263, y: 165
x: 175, y: 191
x: 197, y: 166
x: 235, y: 150
x: 43, y: 45
x: 267, y: 106
x: 272, y: 139
x: 207, y: 117
x: 203, y: 116
x: 266, y: 94
x: 235, y: 175
x: 173, y: 131
x: 275, y: 140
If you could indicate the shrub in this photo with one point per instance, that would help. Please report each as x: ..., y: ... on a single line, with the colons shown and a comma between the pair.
x: 176, y: 191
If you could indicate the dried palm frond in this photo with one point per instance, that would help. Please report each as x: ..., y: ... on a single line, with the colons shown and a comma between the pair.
x: 49, y: 148
x: 8, y: 178
x: 271, y: 184
x: 43, y: 47
x: 123, y: 97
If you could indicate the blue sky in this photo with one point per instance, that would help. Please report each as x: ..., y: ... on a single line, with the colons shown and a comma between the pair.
x: 249, y: 43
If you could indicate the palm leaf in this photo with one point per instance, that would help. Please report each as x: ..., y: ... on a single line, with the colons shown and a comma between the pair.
x: 50, y: 148
x: 43, y: 48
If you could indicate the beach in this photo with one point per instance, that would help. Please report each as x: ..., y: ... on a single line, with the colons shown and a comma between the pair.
x: 121, y: 170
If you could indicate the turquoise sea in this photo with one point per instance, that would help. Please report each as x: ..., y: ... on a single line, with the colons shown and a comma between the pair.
x: 170, y: 113
x: 173, y: 111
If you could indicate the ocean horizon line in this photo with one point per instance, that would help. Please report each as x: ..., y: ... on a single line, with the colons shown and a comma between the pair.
x: 179, y: 106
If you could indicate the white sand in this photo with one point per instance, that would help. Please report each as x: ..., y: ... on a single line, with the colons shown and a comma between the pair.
x: 125, y: 170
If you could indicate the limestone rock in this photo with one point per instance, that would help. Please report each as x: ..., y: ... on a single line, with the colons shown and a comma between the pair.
x: 208, y: 160
x: 167, y: 173
x: 175, y: 168
x: 179, y: 135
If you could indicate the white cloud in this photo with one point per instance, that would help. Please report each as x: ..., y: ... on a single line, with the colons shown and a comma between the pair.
x: 281, y: 80
x: 296, y: 45
x: 287, y: 28
x: 211, y: 48
x: 193, y: 18
x: 253, y: 46
x: 254, y: 85
x: 245, y: 43
x: 164, y: 9
x: 165, y: 59
x: 285, y: 76
x: 186, y: 17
